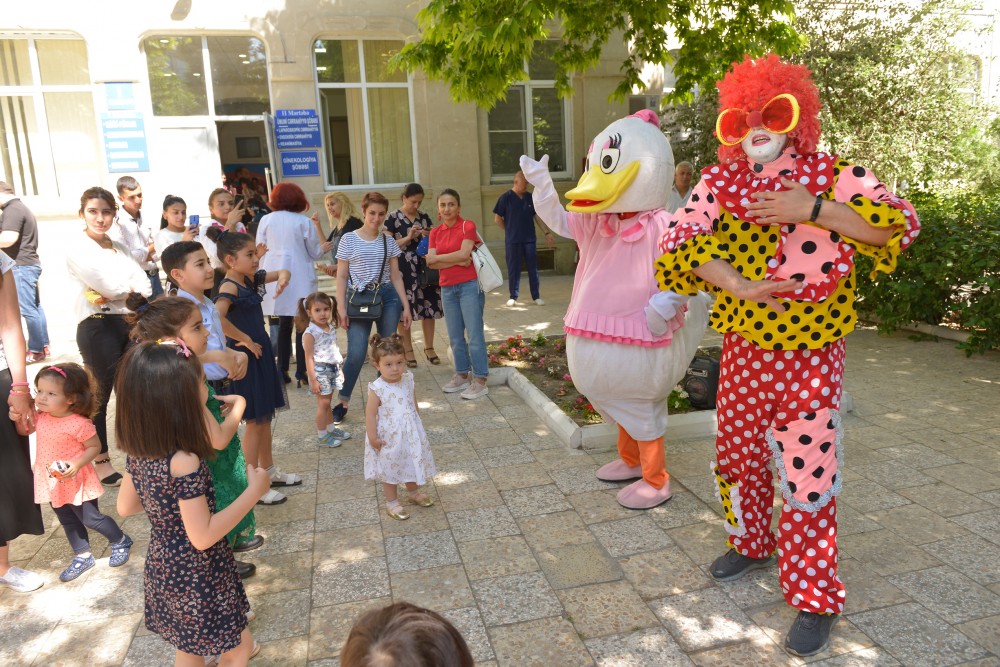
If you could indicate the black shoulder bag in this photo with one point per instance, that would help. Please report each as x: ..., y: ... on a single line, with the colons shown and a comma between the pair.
x: 366, y: 304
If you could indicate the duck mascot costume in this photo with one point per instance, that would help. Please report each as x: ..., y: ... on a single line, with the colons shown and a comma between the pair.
x: 628, y: 343
x: 773, y: 230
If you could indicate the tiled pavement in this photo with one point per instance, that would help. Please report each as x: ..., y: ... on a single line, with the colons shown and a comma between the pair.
x: 532, y: 559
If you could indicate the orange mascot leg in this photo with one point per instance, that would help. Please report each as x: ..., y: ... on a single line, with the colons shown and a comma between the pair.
x: 628, y: 466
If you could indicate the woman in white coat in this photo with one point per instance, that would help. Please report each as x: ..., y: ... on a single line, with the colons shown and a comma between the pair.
x: 292, y: 245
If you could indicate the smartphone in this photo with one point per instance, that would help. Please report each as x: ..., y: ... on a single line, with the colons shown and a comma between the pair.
x: 193, y: 222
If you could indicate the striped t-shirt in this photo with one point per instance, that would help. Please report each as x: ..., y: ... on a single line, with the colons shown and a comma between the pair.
x: 365, y: 258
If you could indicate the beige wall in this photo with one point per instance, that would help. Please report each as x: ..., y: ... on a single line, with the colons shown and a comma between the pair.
x: 451, y: 140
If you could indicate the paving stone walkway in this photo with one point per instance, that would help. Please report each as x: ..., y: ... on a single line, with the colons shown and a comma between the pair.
x: 533, y: 560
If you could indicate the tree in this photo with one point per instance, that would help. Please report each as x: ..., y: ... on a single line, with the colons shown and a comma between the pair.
x: 690, y: 127
x: 480, y: 46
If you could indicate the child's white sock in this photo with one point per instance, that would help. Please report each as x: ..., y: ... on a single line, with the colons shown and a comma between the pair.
x: 330, y: 428
x: 85, y: 554
x: 321, y: 433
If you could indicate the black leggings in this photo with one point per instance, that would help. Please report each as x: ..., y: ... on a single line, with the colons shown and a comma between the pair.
x: 76, y: 519
x: 286, y: 324
x: 102, y: 340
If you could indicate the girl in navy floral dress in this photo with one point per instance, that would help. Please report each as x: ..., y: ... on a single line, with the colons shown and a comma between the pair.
x: 194, y: 597
x: 240, y: 296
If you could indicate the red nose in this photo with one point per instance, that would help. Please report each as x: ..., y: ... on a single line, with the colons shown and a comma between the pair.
x: 755, y: 119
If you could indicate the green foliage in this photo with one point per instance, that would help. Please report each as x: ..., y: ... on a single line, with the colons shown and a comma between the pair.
x: 480, y: 47
x: 690, y: 127
x: 951, y: 273
x: 895, y: 86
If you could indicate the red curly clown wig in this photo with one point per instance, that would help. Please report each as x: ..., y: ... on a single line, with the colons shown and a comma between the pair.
x: 751, y: 84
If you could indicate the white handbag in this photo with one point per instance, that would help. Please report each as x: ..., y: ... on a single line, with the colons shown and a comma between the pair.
x: 486, y: 267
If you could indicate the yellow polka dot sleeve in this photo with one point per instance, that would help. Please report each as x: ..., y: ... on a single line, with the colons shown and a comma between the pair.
x: 674, y: 268
x: 880, y: 215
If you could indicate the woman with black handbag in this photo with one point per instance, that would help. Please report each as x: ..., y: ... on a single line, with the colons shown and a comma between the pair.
x: 409, y: 225
x: 369, y: 291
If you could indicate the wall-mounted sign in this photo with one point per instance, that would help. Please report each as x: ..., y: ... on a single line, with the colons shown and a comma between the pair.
x: 297, y: 128
x: 125, y: 141
x: 118, y: 95
x: 299, y: 163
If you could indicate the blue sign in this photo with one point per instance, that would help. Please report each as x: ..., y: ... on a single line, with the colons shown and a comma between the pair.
x: 297, y: 128
x: 299, y: 163
x: 119, y: 95
x: 125, y: 141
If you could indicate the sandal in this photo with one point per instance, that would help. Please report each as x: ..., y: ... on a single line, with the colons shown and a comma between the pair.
x: 396, y: 511
x: 114, y: 479
x: 411, y: 359
x: 432, y: 356
x: 272, y: 497
x: 421, y: 499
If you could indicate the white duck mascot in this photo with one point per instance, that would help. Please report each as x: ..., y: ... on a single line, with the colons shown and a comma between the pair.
x: 627, y: 342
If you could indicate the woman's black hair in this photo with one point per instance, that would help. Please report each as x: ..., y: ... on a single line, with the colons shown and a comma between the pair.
x: 449, y: 191
x: 169, y: 201
x: 227, y: 243
x: 413, y: 189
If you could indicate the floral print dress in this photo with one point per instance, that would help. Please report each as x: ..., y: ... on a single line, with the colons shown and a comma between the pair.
x: 425, y: 302
x: 406, y: 455
x: 194, y: 599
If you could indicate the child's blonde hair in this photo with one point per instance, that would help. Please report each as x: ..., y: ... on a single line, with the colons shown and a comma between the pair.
x: 78, y: 384
x: 383, y: 347
x: 302, y: 312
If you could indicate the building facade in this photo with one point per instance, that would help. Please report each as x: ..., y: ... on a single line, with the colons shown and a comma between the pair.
x: 179, y: 92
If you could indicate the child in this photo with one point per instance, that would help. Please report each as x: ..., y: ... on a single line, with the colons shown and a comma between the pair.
x: 66, y: 401
x: 396, y: 447
x: 323, y: 361
x: 404, y: 634
x: 224, y: 215
x: 194, y: 597
x: 174, y: 317
x: 172, y: 225
x: 240, y: 296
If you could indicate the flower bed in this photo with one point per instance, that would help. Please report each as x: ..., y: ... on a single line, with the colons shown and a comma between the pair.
x: 542, y: 361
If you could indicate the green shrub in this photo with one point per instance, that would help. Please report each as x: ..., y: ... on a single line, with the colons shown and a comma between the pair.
x: 951, y: 273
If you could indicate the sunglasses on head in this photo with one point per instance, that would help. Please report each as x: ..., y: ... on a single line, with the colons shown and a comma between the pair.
x: 780, y: 116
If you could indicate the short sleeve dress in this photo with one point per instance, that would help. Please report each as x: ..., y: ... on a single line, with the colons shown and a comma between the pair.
x: 61, y: 439
x: 406, y: 455
x: 425, y: 302
x: 261, y: 386
x: 229, y: 476
x: 194, y: 599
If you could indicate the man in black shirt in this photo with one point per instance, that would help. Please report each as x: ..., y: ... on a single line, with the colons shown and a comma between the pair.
x: 19, y: 239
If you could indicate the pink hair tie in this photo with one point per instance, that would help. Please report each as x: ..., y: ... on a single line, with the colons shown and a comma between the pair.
x: 182, y: 348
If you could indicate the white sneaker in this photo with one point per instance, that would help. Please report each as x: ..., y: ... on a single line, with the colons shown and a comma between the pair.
x: 539, y: 302
x: 475, y: 390
x: 457, y: 383
x: 22, y: 581
x: 511, y: 302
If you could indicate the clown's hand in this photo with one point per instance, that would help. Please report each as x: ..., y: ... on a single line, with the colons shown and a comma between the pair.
x: 663, y: 307
x: 545, y: 197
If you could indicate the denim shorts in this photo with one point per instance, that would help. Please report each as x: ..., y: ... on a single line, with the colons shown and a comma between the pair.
x: 330, y: 378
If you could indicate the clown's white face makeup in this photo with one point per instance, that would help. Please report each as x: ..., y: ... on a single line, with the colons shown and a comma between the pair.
x: 763, y: 146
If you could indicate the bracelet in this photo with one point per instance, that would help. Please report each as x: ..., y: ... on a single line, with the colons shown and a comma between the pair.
x: 25, y: 391
x: 19, y: 384
x: 816, y: 207
x: 106, y: 459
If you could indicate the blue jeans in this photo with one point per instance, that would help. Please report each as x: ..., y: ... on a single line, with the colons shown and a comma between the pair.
x: 358, y: 333
x: 463, y: 313
x: 26, y: 280
x: 516, y: 252
x: 155, y: 284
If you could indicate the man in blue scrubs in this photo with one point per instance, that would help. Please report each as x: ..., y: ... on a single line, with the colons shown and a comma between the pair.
x: 515, y: 213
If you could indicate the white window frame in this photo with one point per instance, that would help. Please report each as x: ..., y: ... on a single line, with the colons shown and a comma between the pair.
x: 529, y: 114
x: 364, y: 85
x: 47, y: 184
x: 206, y: 68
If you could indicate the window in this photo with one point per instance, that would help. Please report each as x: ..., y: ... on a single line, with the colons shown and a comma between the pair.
x: 48, y: 131
x: 179, y: 86
x: 365, y: 112
x: 531, y: 121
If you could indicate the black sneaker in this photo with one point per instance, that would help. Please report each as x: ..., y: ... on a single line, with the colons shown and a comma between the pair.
x: 339, y: 412
x: 810, y: 633
x: 732, y: 565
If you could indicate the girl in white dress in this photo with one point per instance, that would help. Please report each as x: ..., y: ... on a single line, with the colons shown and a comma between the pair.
x: 396, y: 446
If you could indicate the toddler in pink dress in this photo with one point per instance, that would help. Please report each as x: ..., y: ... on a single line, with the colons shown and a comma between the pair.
x: 66, y: 445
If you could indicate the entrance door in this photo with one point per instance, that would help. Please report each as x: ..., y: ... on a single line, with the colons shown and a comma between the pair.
x: 245, y: 157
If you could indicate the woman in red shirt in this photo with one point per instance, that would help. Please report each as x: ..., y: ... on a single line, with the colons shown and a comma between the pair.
x: 450, y: 252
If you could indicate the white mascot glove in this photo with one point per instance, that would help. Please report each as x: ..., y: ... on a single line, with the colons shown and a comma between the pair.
x: 545, y: 197
x: 663, y: 307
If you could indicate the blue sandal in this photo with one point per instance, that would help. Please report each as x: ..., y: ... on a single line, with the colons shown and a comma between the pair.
x: 120, y: 552
x: 77, y: 567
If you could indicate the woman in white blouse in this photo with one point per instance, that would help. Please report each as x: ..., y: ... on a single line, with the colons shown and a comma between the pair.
x: 292, y: 245
x: 104, y: 274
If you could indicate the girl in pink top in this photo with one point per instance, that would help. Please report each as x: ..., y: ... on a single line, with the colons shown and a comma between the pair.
x: 66, y: 445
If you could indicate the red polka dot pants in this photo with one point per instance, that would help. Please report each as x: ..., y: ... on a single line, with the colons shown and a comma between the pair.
x: 761, y: 389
